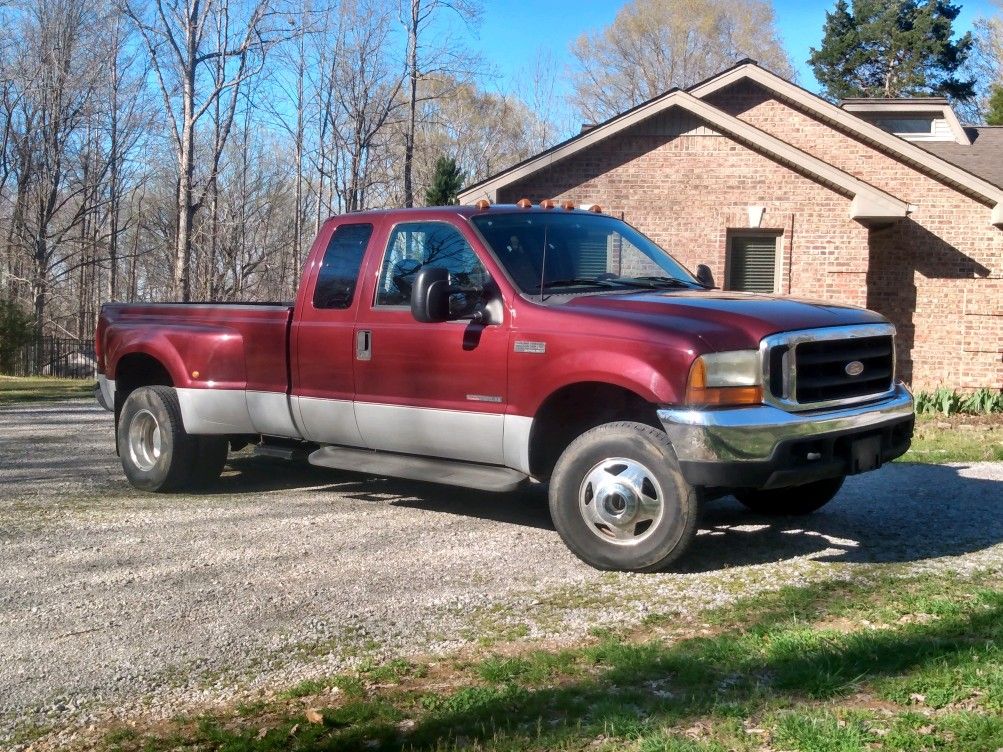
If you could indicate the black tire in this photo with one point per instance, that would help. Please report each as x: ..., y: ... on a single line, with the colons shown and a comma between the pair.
x: 585, y: 496
x: 795, y: 501
x: 210, y: 459
x: 157, y: 453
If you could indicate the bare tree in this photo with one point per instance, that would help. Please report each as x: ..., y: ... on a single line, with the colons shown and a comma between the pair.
x: 445, y: 58
x: 654, y: 45
x: 197, y: 70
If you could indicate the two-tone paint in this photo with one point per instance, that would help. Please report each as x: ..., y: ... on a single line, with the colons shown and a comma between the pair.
x: 456, y: 390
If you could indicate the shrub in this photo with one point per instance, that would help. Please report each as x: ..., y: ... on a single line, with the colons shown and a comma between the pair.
x: 950, y: 402
x: 17, y: 329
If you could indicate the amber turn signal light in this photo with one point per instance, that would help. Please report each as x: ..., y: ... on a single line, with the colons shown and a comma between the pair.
x: 698, y: 394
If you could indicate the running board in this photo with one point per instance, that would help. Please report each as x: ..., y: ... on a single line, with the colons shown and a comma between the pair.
x: 429, y: 469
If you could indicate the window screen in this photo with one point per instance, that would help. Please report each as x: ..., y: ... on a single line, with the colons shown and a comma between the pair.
x: 416, y: 244
x: 752, y: 263
x: 339, y: 271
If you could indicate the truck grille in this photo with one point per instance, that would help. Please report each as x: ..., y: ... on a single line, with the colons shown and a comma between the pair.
x: 811, y: 369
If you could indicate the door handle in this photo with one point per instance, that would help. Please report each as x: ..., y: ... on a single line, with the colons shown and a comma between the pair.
x: 363, y: 345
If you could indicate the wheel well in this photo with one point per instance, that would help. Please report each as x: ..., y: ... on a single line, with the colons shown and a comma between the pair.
x: 572, y: 410
x: 136, y: 370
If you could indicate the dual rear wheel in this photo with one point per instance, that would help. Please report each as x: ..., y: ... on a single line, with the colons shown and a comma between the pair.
x: 157, y: 453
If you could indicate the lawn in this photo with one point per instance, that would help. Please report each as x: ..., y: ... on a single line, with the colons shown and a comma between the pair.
x: 885, y: 663
x: 37, y: 388
x: 957, y: 438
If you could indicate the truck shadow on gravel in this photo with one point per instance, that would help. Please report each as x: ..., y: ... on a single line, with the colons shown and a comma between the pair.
x: 903, y: 513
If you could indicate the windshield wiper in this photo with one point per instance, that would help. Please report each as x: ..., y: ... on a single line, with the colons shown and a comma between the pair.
x: 668, y: 282
x: 580, y: 282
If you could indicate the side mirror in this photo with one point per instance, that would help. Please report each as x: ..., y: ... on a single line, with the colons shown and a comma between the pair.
x: 705, y: 276
x: 430, y: 295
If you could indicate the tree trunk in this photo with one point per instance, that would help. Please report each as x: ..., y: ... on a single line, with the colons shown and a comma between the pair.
x: 412, y: 45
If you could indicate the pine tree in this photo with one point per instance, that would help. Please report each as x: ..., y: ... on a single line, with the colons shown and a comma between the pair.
x: 446, y: 183
x: 896, y: 48
x: 995, y: 114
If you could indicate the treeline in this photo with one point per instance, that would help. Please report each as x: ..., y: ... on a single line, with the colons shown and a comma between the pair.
x: 189, y: 149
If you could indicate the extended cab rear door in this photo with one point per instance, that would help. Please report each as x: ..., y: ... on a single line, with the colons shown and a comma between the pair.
x: 429, y: 389
x: 323, y: 381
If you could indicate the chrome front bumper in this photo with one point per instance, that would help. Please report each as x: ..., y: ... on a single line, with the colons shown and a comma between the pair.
x: 752, y: 436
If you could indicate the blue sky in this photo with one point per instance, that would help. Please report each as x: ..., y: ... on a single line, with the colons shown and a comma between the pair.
x: 512, y: 32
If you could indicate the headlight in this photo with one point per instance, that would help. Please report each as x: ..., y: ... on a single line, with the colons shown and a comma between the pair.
x: 726, y: 378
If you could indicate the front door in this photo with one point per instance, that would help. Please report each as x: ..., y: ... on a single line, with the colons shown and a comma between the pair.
x: 429, y: 389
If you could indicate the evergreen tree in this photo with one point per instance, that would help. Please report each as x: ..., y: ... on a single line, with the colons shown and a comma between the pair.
x: 446, y: 183
x: 995, y: 114
x: 892, y: 48
x: 17, y: 329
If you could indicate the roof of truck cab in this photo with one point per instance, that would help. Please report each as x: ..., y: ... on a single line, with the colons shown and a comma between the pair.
x: 463, y: 210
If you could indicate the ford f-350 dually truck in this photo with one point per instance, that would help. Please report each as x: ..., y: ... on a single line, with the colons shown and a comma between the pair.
x: 487, y: 346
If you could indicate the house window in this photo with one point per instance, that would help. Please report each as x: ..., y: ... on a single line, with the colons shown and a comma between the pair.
x: 752, y: 262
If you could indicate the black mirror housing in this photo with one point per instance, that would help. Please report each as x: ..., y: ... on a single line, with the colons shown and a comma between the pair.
x: 430, y: 295
x: 705, y: 276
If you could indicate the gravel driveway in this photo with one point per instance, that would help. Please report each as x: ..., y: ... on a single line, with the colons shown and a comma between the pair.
x: 112, y: 600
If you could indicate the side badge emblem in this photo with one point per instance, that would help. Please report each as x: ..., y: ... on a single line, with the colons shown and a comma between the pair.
x: 527, y: 346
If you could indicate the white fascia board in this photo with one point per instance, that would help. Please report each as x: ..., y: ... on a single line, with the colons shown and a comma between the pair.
x: 870, y: 202
x: 737, y: 129
x: 851, y: 122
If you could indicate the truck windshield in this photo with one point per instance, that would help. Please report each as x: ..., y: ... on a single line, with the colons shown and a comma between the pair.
x: 556, y: 252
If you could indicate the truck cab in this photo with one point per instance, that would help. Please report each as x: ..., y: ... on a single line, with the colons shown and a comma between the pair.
x: 492, y: 346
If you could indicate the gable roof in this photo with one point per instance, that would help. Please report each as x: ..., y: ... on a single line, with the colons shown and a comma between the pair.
x: 868, y: 204
x: 919, y: 158
x: 907, y: 151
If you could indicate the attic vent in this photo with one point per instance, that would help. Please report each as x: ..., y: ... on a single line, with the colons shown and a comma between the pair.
x: 752, y: 263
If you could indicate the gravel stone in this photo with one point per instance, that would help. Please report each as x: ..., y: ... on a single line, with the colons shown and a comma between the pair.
x: 115, y: 603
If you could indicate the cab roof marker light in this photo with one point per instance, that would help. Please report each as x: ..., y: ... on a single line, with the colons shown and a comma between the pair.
x: 482, y: 204
x: 568, y: 205
x: 524, y: 203
x: 592, y: 208
x: 548, y: 203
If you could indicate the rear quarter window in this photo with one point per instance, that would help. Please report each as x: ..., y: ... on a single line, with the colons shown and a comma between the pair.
x: 339, y: 271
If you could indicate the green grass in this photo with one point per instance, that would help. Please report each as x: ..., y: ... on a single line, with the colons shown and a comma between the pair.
x: 976, y: 441
x: 896, y: 664
x: 42, y: 388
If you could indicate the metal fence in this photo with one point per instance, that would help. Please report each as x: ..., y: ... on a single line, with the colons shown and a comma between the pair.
x: 55, y: 356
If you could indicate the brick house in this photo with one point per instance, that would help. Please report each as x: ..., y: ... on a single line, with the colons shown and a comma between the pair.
x: 888, y: 204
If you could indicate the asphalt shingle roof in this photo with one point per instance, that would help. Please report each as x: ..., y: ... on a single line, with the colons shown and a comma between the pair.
x: 983, y: 158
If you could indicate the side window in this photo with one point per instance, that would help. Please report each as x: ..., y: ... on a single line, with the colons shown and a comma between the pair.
x: 416, y: 244
x: 339, y: 271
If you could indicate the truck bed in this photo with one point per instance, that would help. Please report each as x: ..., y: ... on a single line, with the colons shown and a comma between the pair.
x: 207, y: 337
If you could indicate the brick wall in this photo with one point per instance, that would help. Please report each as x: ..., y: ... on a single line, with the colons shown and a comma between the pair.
x: 930, y: 274
x: 933, y: 274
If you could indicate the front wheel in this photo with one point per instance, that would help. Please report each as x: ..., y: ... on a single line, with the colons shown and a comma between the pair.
x: 795, y: 501
x: 619, y: 500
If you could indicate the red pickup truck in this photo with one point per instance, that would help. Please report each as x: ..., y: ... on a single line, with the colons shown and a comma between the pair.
x: 488, y: 346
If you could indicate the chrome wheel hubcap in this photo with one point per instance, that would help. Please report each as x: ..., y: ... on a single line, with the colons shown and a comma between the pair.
x: 144, y: 440
x: 621, y: 501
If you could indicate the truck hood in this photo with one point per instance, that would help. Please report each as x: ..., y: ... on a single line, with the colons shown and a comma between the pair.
x: 723, y: 320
